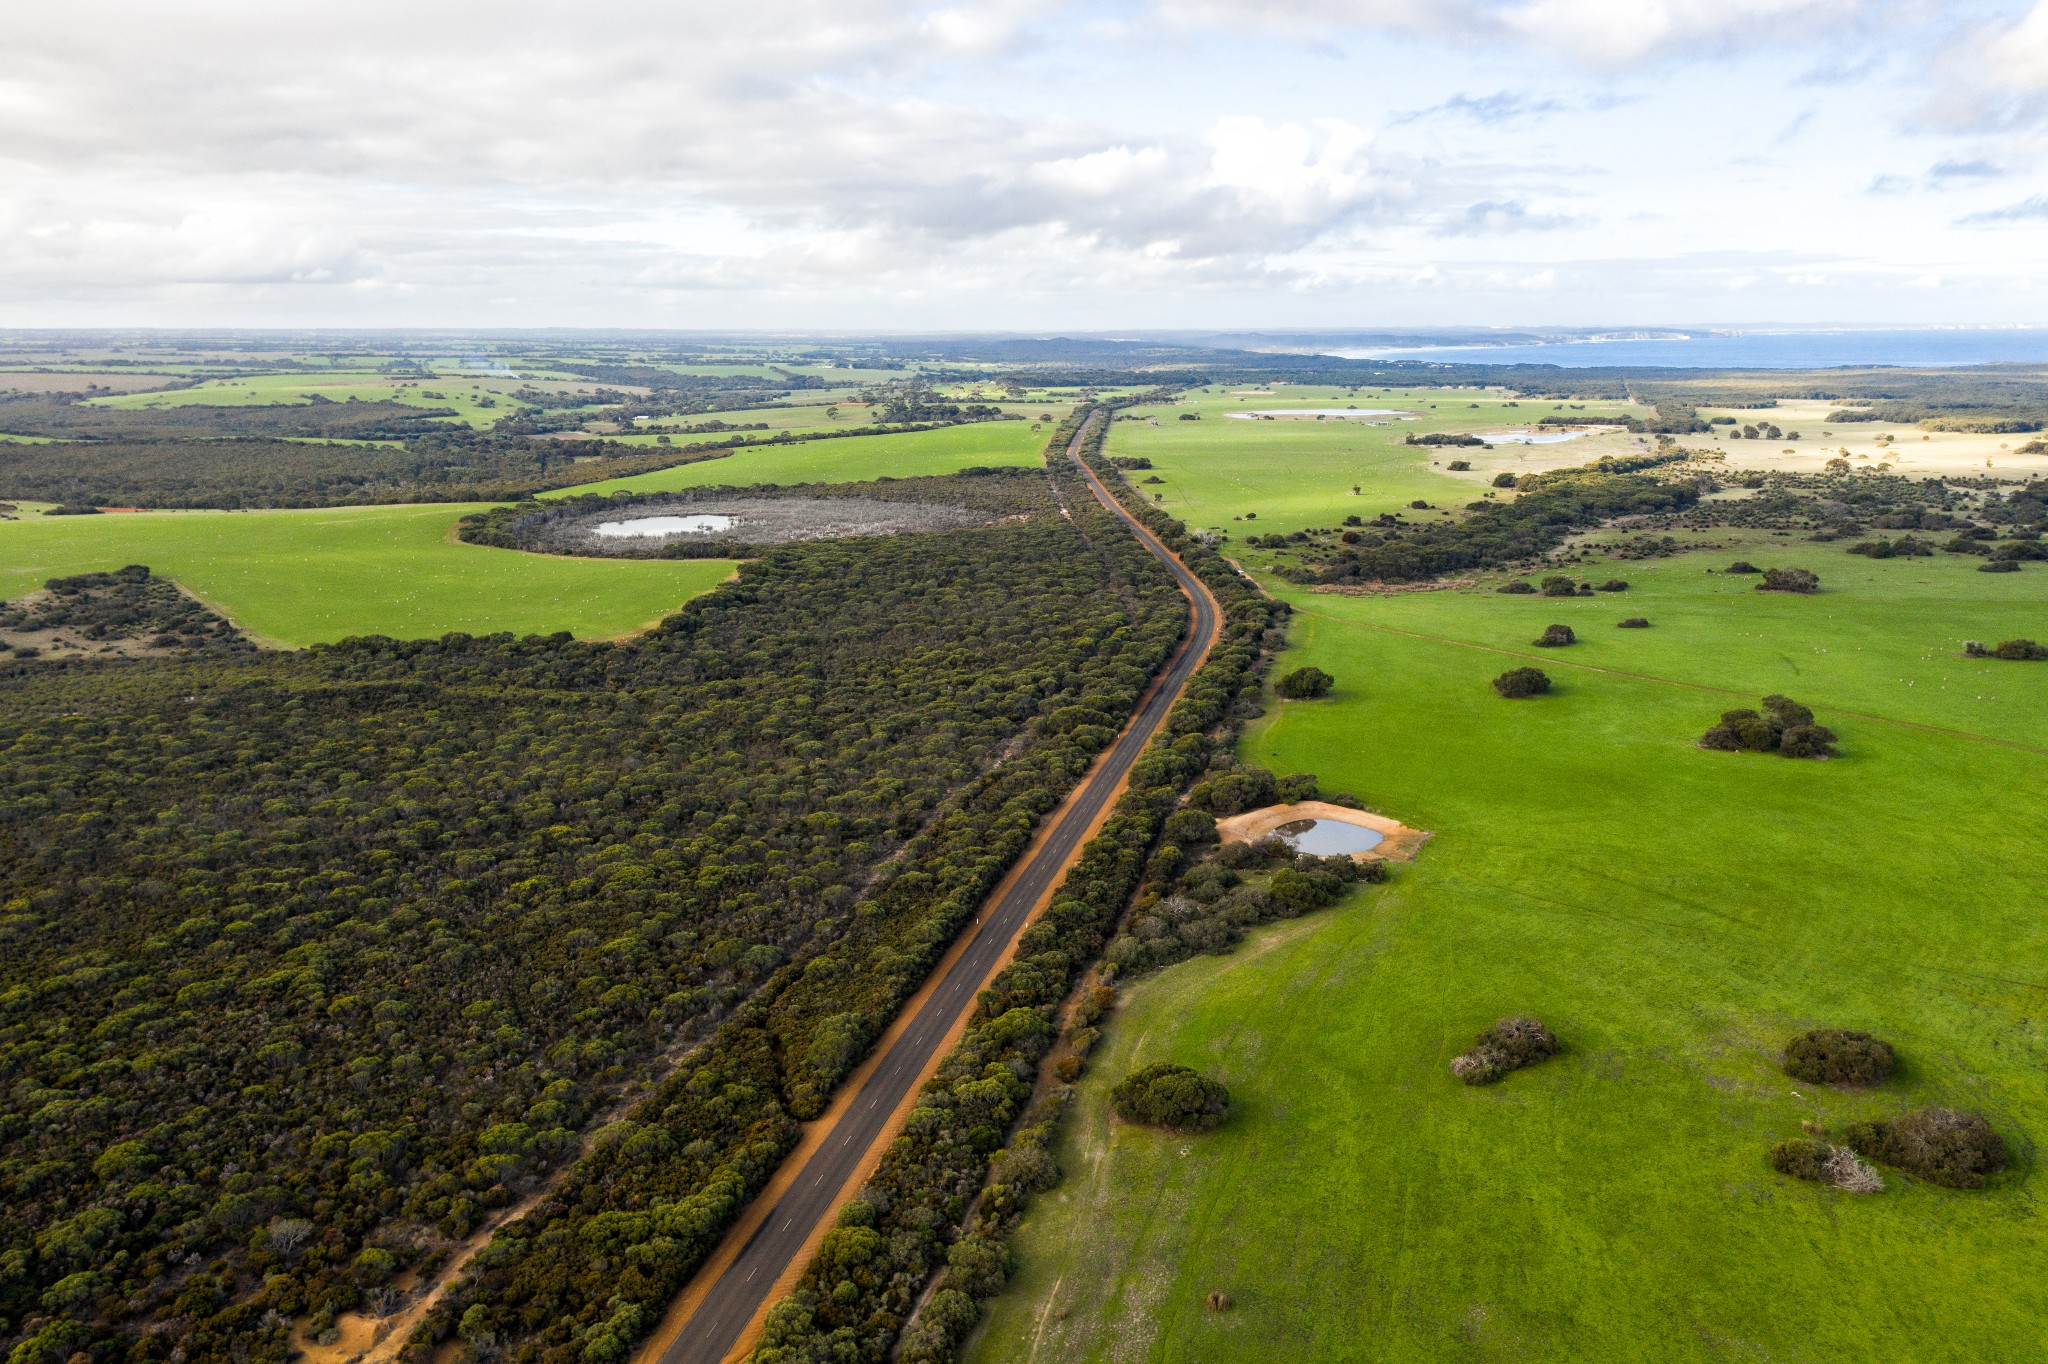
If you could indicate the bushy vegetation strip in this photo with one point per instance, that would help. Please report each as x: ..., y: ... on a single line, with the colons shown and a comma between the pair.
x: 1547, y: 509
x: 229, y: 475
x: 127, y: 605
x: 313, y: 960
x: 854, y: 1300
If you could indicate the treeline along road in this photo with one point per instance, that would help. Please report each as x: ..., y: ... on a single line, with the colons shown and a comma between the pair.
x: 723, y: 1311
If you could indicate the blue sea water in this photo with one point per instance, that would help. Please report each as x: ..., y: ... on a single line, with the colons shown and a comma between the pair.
x: 1727, y: 349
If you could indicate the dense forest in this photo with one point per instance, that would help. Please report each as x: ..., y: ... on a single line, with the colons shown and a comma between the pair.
x: 313, y: 960
x: 37, y: 415
x: 227, y: 475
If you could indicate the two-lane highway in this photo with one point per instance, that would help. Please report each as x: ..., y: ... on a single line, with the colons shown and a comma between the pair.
x: 722, y: 1321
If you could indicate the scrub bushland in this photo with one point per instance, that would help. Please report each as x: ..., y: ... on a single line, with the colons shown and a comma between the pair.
x: 126, y: 605
x: 227, y: 475
x: 940, y: 1197
x: 1546, y: 509
x: 315, y: 959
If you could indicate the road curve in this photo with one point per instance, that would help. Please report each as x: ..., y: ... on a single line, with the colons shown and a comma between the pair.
x: 719, y: 1326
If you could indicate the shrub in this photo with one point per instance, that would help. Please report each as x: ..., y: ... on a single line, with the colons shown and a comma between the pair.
x: 1804, y: 1158
x: 1743, y: 566
x: 1517, y: 683
x: 1459, y: 466
x: 1808, y: 741
x: 1786, y: 727
x: 1503, y: 480
x: 1557, y: 585
x: 1508, y: 1045
x: 1517, y: 588
x: 1801, y: 1158
x: 2020, y: 651
x: 1167, y: 1095
x: 1305, y: 684
x: 1614, y: 585
x: 1633, y: 623
x: 1556, y: 637
x: 1739, y: 731
x: 1785, y: 712
x: 1234, y: 791
x: 1998, y: 566
x: 1940, y: 1145
x: 1189, y: 828
x: 1789, y: 580
x: 1839, y: 1056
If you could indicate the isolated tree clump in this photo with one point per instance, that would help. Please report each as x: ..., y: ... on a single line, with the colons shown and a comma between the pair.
x: 1798, y: 580
x: 1306, y: 683
x: 1517, y: 683
x: 1167, y: 1095
x: 1557, y: 585
x: 2012, y: 650
x: 1940, y: 1145
x: 1783, y: 727
x: 1556, y: 637
x: 1839, y: 1056
x: 1804, y: 1158
x: 1633, y: 623
x: 1743, y: 566
x: 1508, y: 1045
x: 1517, y: 588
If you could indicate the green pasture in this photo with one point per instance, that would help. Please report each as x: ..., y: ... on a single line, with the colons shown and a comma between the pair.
x: 301, y: 577
x: 1674, y: 914
x: 1291, y: 474
x: 465, y: 395
x: 849, y: 460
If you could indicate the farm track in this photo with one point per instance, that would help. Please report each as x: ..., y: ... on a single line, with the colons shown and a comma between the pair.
x: 718, y: 1317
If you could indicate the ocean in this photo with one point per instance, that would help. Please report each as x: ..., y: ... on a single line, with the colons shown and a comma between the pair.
x: 1734, y: 349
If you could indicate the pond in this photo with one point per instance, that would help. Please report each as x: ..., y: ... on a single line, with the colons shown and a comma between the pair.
x: 1328, y: 837
x: 668, y: 525
x: 1533, y: 437
x: 1319, y: 412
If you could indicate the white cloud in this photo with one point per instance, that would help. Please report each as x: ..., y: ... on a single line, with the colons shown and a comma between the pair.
x: 644, y: 161
x: 1600, y: 33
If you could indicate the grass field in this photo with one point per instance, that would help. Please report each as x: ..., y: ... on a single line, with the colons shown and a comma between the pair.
x: 465, y: 396
x: 1293, y: 474
x: 300, y: 577
x: 1673, y: 914
x: 846, y: 461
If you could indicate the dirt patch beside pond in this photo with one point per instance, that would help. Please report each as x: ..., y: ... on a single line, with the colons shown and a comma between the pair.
x: 1399, y: 843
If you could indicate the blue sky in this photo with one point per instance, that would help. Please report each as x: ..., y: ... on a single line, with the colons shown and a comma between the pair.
x: 868, y: 165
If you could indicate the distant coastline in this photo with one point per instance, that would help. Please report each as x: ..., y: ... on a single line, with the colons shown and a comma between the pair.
x: 1738, y: 349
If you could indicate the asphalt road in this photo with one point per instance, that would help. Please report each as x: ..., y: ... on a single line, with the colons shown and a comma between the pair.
x: 715, y: 1327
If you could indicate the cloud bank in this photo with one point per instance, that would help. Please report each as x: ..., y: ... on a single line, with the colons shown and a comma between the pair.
x: 976, y: 163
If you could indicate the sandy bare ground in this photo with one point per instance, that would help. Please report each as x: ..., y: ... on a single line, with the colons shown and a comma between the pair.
x: 1401, y: 845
